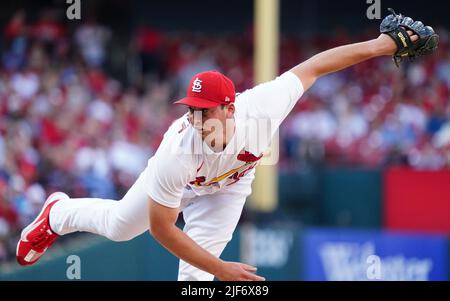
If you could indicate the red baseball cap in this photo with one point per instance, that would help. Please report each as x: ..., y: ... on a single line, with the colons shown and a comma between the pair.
x: 208, y: 90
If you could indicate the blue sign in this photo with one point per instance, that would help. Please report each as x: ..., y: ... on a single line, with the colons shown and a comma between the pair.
x: 353, y: 255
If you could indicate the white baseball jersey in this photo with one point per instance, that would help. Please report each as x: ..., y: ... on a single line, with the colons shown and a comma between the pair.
x: 210, y: 188
x: 184, y: 166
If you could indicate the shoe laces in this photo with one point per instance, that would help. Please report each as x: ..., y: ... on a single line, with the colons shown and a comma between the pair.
x: 43, y: 239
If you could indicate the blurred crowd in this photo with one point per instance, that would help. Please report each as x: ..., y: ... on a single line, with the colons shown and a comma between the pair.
x: 67, y: 124
x: 375, y: 115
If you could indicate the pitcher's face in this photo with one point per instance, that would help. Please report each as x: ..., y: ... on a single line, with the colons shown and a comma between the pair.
x: 211, y: 122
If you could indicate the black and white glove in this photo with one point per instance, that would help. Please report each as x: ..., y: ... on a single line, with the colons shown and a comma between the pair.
x: 396, y: 26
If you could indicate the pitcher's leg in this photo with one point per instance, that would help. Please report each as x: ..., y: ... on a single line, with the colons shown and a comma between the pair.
x: 210, y: 222
x: 117, y: 220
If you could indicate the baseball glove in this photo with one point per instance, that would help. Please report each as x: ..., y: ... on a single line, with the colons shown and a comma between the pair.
x: 396, y: 26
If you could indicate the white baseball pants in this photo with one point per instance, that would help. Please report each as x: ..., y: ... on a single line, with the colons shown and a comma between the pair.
x: 210, y: 220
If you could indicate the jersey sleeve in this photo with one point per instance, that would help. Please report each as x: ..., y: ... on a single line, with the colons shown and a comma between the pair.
x: 166, y: 182
x: 274, y: 100
x: 167, y: 174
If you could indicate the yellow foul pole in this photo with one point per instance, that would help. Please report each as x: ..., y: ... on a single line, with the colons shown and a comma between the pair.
x: 265, y: 186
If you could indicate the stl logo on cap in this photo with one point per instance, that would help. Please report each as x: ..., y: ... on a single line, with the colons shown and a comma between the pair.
x: 208, y: 90
x: 197, y: 85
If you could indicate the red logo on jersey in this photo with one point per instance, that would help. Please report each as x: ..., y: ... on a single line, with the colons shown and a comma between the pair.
x: 198, y: 181
x: 234, y: 174
x: 238, y: 175
x: 248, y: 157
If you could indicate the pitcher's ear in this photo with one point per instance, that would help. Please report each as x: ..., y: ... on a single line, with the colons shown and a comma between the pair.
x: 231, y: 108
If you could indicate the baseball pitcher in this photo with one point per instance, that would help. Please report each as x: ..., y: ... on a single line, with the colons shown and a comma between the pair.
x: 206, y: 162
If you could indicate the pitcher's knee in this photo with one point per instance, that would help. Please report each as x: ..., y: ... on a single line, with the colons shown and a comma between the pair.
x: 120, y: 231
